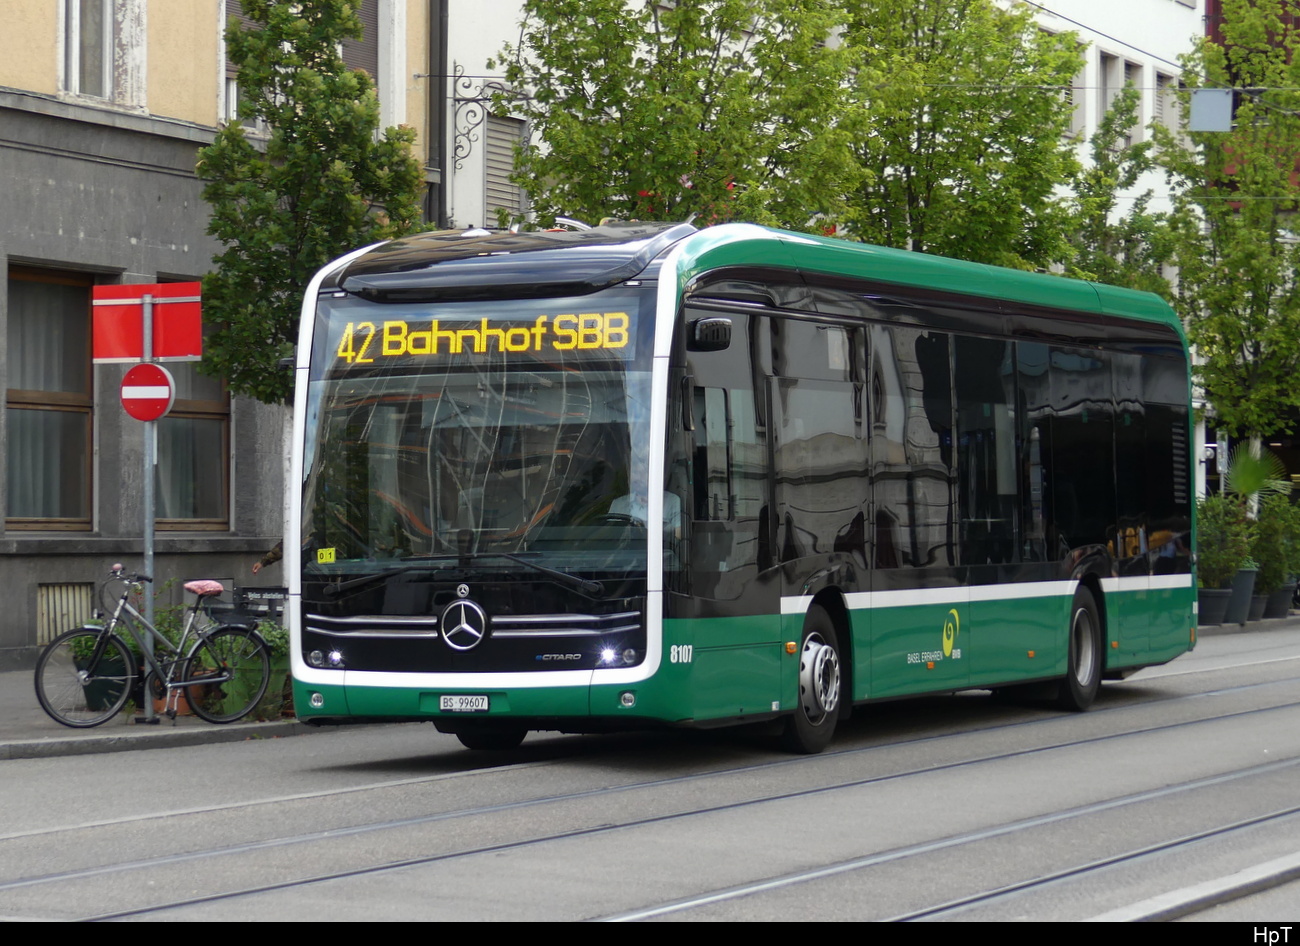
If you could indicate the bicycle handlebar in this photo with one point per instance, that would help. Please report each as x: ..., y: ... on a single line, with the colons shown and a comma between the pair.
x: 118, y: 571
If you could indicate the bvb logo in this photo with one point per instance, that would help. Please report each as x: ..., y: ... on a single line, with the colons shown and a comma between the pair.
x: 950, y: 628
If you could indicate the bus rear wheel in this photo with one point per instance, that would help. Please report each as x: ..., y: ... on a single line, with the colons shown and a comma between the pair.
x: 821, y: 686
x: 1083, y: 672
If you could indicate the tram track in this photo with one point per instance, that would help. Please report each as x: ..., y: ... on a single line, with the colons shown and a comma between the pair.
x: 953, y: 907
x: 337, y: 834
x: 1099, y: 712
x: 802, y: 877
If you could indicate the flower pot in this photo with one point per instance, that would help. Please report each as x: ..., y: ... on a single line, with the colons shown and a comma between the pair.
x: 103, y: 693
x: 182, y: 704
x: 1257, y: 603
x: 1212, y: 605
x: 1279, y: 603
x: 1243, y: 586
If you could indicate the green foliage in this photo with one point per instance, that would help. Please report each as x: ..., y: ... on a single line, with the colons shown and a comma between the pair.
x: 958, y: 132
x: 1250, y: 475
x: 725, y: 109
x: 322, y: 184
x: 1126, y: 249
x: 1277, y: 543
x: 276, y: 637
x: 1223, y: 539
x: 1235, y: 198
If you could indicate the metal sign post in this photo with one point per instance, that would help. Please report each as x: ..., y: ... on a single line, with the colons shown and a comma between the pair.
x: 148, y: 389
x: 150, y: 461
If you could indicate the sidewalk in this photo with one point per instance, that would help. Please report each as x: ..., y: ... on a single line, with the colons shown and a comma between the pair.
x: 27, y: 733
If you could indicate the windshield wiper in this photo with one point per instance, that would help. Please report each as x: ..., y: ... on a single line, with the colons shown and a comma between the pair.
x: 431, y: 562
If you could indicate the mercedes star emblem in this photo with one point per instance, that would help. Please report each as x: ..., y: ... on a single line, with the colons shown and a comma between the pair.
x: 464, y: 625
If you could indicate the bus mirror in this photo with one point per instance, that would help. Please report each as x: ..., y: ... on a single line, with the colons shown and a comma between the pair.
x: 710, y: 335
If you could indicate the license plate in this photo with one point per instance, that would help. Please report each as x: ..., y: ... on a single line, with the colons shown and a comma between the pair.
x: 464, y: 703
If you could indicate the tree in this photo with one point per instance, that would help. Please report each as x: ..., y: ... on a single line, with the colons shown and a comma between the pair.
x: 1128, y: 249
x: 1236, y: 194
x: 322, y: 184
x: 960, y: 129
x: 722, y: 108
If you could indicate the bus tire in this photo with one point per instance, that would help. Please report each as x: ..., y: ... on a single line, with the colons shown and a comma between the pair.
x: 1083, y: 644
x: 491, y: 738
x: 821, y: 687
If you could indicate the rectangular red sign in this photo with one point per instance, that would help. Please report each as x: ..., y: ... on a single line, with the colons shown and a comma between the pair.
x: 119, y: 321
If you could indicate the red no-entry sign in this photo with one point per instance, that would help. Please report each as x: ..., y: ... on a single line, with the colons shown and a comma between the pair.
x: 148, y: 391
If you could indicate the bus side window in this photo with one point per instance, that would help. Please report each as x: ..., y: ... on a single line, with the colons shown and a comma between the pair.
x: 713, y: 495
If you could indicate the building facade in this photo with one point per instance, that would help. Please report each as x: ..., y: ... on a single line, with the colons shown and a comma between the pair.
x: 103, y: 106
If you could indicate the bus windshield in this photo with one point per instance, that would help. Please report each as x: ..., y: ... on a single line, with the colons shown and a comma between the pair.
x: 460, y: 430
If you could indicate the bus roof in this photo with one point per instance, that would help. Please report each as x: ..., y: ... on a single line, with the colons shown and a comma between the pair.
x: 459, y: 264
x: 745, y: 245
x: 463, y: 264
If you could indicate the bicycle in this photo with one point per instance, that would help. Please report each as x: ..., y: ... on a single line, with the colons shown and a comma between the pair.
x: 85, y: 676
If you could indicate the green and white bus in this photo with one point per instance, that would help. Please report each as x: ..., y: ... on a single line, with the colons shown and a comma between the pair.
x: 642, y: 475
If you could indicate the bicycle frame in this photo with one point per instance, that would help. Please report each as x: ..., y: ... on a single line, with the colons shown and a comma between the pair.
x: 228, y: 666
x: 125, y: 614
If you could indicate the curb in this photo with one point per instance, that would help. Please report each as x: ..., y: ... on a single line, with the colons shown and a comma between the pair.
x: 165, y: 739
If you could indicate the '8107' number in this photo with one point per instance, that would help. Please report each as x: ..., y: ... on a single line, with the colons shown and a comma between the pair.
x: 681, y: 653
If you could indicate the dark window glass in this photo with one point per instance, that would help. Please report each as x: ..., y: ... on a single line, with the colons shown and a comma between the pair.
x: 48, y: 408
x: 1132, y: 517
x: 1033, y: 384
x: 911, y: 448
x: 1082, y: 464
x: 986, y: 441
x: 730, y: 528
x: 812, y: 350
x: 194, y: 453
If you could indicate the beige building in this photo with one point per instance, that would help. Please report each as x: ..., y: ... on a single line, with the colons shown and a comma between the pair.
x: 103, y: 105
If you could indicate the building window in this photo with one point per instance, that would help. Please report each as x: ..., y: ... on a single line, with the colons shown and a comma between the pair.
x: 192, y: 480
x: 1133, y: 77
x: 502, y: 198
x: 49, y: 408
x: 1166, y: 102
x: 363, y: 53
x: 88, y: 42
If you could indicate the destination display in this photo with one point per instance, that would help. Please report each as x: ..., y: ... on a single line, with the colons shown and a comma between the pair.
x: 368, y: 343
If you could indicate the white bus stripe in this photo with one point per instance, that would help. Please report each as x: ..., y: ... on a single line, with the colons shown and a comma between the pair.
x: 965, y: 594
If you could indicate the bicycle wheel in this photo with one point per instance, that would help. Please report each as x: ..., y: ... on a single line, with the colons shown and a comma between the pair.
x: 76, y: 688
x: 228, y: 671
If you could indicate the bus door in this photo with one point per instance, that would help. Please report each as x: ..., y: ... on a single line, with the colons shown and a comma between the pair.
x: 727, y: 607
x: 821, y: 484
x: 921, y: 631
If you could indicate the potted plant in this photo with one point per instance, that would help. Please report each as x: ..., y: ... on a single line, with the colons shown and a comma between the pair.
x: 1252, y: 473
x: 1276, y: 548
x: 1223, y: 544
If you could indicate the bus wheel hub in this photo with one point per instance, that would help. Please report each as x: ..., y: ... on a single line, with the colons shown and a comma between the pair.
x: 819, y: 678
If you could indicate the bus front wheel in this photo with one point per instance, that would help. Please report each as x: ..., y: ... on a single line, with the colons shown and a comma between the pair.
x: 821, y: 685
x: 1083, y: 672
